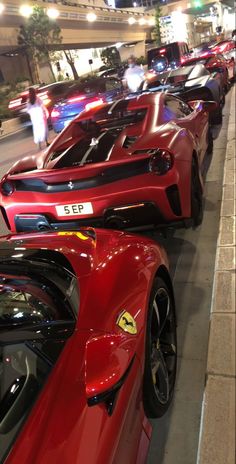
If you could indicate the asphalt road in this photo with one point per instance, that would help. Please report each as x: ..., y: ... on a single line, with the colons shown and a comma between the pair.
x: 192, y: 259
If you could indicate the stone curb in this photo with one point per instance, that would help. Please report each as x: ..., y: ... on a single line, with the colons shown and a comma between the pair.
x: 217, y: 432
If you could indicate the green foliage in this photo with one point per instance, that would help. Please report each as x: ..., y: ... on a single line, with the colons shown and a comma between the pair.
x: 110, y: 56
x: 157, y: 29
x: 38, y: 33
x: 141, y: 60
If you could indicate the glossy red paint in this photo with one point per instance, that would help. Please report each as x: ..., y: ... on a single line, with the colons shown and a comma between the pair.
x: 180, y: 136
x: 61, y: 427
x: 214, y: 60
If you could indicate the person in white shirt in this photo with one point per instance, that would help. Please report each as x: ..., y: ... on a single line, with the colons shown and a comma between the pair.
x: 134, y: 75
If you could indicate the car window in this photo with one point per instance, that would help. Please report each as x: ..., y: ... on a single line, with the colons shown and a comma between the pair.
x: 175, y: 109
x: 30, y: 309
x: 112, y: 84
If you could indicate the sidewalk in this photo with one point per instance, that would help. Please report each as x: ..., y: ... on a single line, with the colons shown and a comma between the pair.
x: 9, y: 127
x: 217, y: 436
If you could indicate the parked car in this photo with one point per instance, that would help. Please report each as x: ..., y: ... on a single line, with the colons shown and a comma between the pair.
x: 227, y: 48
x: 121, y: 165
x: 215, y: 62
x: 86, y: 355
x: 86, y: 94
x: 49, y: 94
x: 192, y: 82
x: 169, y: 56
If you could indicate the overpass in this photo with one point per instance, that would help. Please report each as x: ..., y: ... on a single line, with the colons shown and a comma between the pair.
x: 110, y: 26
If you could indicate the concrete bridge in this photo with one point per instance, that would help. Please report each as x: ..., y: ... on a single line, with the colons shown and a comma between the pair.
x: 108, y: 27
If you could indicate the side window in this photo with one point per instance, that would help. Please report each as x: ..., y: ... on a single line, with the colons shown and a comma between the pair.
x: 175, y: 109
x: 112, y: 84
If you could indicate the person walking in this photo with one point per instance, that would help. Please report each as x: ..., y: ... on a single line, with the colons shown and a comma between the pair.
x: 38, y: 115
x: 134, y: 75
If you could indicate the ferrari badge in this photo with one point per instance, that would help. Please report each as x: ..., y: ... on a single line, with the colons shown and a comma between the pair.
x: 127, y: 323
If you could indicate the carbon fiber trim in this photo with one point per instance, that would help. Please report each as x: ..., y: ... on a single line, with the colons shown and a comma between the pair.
x: 105, y: 177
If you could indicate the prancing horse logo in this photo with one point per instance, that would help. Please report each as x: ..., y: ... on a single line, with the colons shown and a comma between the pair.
x: 127, y: 323
x: 70, y: 185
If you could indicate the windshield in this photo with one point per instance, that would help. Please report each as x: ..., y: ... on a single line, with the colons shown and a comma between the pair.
x: 35, y: 323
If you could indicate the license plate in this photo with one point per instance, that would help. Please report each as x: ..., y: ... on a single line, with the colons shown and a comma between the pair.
x: 74, y: 210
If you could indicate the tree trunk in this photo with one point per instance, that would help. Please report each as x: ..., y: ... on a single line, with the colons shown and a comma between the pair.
x: 70, y: 61
x: 50, y: 66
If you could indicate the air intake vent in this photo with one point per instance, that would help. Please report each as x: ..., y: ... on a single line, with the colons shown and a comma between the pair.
x: 129, y: 140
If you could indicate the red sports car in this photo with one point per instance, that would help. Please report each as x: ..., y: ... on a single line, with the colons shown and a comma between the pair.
x: 84, y: 351
x: 215, y: 62
x: 120, y: 165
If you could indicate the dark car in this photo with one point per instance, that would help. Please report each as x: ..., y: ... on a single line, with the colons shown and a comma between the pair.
x: 49, y: 94
x: 193, y: 82
x: 84, y: 95
x: 167, y: 57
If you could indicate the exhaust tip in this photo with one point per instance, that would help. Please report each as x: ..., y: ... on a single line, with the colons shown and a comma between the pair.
x: 115, y: 222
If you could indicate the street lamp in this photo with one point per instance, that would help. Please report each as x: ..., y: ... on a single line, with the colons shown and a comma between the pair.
x: 2, y: 8
x: 26, y: 10
x: 52, y: 13
x: 91, y: 17
x: 142, y: 21
x: 131, y: 20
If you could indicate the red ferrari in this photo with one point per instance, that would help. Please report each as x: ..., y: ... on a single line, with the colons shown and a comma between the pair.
x: 120, y: 165
x: 86, y: 355
x: 215, y: 62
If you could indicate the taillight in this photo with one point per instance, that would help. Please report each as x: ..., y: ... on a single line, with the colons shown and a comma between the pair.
x: 94, y: 104
x: 44, y: 97
x: 161, y: 162
x: 14, y: 103
x: 7, y: 188
x: 76, y: 99
x: 55, y: 114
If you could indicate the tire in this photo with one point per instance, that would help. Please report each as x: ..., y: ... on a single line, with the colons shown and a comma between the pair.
x: 217, y: 117
x: 210, y: 142
x: 196, y: 196
x: 161, y: 351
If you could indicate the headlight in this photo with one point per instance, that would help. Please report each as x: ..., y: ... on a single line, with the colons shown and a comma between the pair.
x: 7, y: 188
x: 161, y: 162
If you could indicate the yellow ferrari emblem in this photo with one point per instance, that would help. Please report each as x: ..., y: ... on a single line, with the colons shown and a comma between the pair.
x: 77, y: 234
x: 127, y: 323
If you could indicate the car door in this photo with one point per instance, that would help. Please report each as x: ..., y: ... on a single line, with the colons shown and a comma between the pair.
x: 194, y: 121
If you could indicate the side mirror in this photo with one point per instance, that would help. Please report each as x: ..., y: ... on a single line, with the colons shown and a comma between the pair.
x: 108, y: 361
x: 200, y: 105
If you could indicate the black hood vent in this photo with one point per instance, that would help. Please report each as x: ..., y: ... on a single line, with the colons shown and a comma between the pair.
x: 129, y: 140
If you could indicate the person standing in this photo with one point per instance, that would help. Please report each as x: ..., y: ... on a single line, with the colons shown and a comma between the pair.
x: 134, y: 75
x: 38, y: 115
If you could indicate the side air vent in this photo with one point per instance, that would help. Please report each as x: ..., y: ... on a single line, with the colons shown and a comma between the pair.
x: 129, y: 140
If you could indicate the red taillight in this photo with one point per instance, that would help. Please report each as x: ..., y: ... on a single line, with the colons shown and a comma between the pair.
x: 14, y: 103
x: 182, y: 60
x: 76, y: 99
x: 162, y: 50
x: 7, y: 188
x: 44, y: 97
x: 55, y: 114
x: 94, y: 104
x: 161, y: 162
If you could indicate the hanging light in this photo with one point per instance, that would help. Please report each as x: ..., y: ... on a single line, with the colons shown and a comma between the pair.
x: 91, y: 17
x: 131, y: 20
x: 26, y: 10
x: 52, y: 13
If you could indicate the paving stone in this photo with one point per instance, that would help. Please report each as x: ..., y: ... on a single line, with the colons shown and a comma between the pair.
x: 224, y: 292
x: 218, y: 434
x: 228, y: 192
x: 230, y: 163
x: 229, y: 177
x: 227, y: 231
x: 228, y: 208
x: 225, y: 258
x: 221, y: 352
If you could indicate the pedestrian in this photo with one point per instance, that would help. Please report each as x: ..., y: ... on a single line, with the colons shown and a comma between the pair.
x: 134, y: 75
x: 38, y: 115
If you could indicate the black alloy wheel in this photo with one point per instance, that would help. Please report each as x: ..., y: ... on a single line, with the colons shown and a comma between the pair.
x: 196, y: 196
x: 161, y: 351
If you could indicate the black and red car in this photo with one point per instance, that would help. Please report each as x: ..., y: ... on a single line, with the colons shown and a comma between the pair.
x: 125, y: 164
